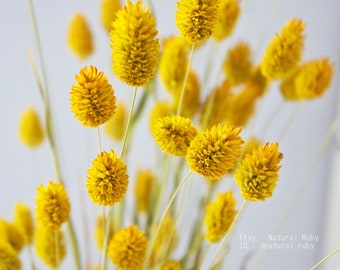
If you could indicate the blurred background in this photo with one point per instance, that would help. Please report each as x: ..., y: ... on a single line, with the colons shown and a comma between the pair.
x: 316, y: 212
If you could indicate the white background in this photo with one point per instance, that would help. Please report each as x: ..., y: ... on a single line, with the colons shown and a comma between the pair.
x: 22, y: 170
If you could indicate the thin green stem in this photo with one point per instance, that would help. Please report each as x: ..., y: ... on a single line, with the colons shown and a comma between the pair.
x: 99, y: 140
x: 106, y: 224
x: 154, y: 236
x: 180, y: 103
x: 325, y: 259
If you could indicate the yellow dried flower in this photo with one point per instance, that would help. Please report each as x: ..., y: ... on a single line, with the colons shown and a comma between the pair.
x: 287, y: 87
x: 237, y: 65
x: 173, y: 134
x: 9, y: 233
x: 9, y: 259
x: 160, y: 109
x: 228, y: 13
x: 258, y: 82
x: 31, y: 132
x: 92, y: 99
x: 285, y: 51
x: 127, y: 248
x: 24, y: 222
x: 219, y: 216
x: 45, y: 246
x: 135, y: 48
x: 145, y: 180
x: 214, y: 152
x: 313, y: 78
x: 100, y: 232
x: 171, y: 265
x: 107, y: 180
x: 52, y: 206
x: 196, y: 19
x: 173, y: 63
x: 258, y: 172
x: 108, y: 11
x: 191, y: 99
x: 79, y: 37
x: 115, y: 127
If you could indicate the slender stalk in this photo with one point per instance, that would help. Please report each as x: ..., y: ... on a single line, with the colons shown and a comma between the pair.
x: 180, y: 104
x: 204, y: 256
x: 31, y: 257
x: 228, y: 233
x: 103, y: 262
x: 325, y: 258
x: 99, y: 140
x: 154, y: 237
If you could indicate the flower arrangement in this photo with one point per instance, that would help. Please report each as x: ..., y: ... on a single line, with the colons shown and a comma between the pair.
x: 180, y: 207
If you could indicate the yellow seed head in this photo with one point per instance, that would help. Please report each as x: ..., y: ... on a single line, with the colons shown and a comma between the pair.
x: 171, y: 265
x: 108, y: 11
x: 135, y: 48
x: 127, y: 248
x: 258, y: 82
x: 196, y: 19
x: 100, y: 232
x: 160, y: 109
x: 79, y: 37
x: 52, y: 206
x: 115, y: 127
x: 219, y: 216
x: 9, y: 233
x: 31, y: 132
x: 285, y: 51
x: 9, y: 259
x: 214, y: 152
x: 228, y: 13
x: 258, y: 172
x: 145, y: 180
x: 24, y: 222
x: 107, y: 180
x: 92, y: 99
x: 45, y: 246
x: 173, y: 134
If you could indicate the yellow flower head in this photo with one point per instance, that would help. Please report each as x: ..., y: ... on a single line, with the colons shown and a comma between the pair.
x: 107, y: 180
x: 173, y: 134
x: 171, y: 265
x: 214, y: 152
x: 237, y: 65
x: 108, y: 11
x: 196, y: 19
x: 228, y: 13
x: 45, y: 246
x: 127, y: 248
x: 258, y: 82
x: 173, y: 63
x: 285, y: 51
x: 191, y: 99
x: 31, y: 132
x: 24, y: 222
x: 100, y: 232
x: 9, y: 233
x: 79, y: 37
x: 219, y: 216
x: 258, y: 172
x: 160, y: 109
x: 115, y: 127
x: 9, y: 259
x: 52, y: 206
x: 145, y: 180
x: 92, y: 99
x: 135, y: 48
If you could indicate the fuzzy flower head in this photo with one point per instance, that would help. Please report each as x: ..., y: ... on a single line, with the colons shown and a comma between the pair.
x: 8, y: 257
x: 52, y: 206
x: 135, y: 48
x: 79, y: 37
x: 285, y: 51
x: 107, y: 180
x: 108, y: 11
x: 160, y: 109
x: 258, y: 82
x: 24, y: 222
x: 115, y: 126
x: 45, y: 246
x: 9, y: 233
x: 127, y: 248
x: 258, y: 172
x: 31, y: 132
x: 214, y: 152
x: 171, y: 265
x: 196, y: 19
x: 92, y: 99
x: 219, y: 216
x: 173, y: 134
x: 228, y: 13
x: 145, y: 181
